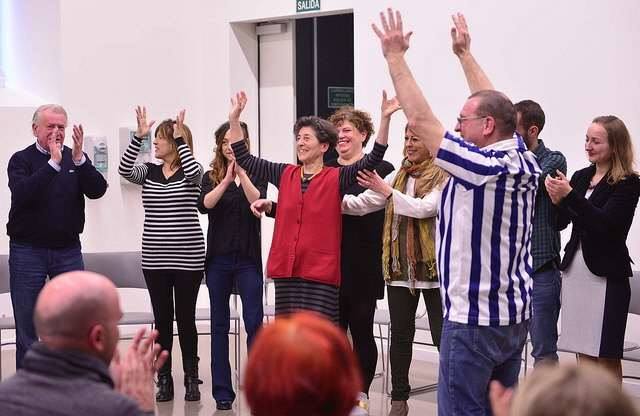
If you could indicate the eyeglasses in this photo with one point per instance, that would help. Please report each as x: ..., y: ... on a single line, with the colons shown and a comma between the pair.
x: 463, y: 119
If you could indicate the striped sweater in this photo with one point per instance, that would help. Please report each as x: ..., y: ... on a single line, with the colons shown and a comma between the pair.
x: 172, y: 238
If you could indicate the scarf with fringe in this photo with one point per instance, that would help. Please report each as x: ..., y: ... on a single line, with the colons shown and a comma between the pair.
x: 420, y: 233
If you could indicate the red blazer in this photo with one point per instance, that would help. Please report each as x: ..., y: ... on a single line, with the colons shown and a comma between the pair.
x: 308, y: 228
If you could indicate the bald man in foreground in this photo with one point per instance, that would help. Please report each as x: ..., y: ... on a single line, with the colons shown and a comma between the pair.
x: 75, y: 369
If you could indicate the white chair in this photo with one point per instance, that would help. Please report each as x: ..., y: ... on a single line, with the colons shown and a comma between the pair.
x: 269, y: 311
x: 6, y: 321
x: 381, y: 318
x: 632, y: 349
x: 123, y: 269
x: 422, y: 323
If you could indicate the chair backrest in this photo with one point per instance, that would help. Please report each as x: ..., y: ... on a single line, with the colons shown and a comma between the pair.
x: 634, y: 304
x: 4, y: 273
x: 122, y: 267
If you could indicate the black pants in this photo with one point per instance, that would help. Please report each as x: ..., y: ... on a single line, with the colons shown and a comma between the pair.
x: 402, y: 310
x: 356, y: 314
x: 162, y: 284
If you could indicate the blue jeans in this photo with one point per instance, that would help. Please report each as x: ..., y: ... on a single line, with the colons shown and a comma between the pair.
x: 222, y: 273
x: 544, y: 320
x: 472, y: 356
x: 28, y: 270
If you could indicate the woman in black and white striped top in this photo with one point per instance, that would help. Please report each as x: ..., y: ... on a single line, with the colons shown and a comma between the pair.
x: 173, y: 249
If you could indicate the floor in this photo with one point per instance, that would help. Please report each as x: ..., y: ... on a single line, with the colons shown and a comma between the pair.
x: 422, y: 372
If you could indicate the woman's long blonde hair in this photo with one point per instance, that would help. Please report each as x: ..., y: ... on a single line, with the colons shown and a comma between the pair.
x: 219, y: 163
x: 621, y: 147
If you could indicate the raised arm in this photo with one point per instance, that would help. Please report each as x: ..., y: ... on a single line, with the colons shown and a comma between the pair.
x: 210, y: 194
x: 263, y: 169
x: 128, y: 169
x: 461, y: 45
x: 394, y: 44
x: 371, y: 161
x: 192, y: 169
x: 251, y: 191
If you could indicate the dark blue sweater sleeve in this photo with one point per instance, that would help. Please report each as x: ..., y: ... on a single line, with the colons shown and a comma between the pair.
x: 260, y: 168
x: 348, y: 174
x: 92, y: 183
x: 25, y: 187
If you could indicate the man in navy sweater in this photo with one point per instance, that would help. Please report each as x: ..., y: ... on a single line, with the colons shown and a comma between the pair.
x: 48, y: 183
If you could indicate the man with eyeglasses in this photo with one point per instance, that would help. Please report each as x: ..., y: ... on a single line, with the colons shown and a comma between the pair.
x: 484, y: 225
x: 48, y: 183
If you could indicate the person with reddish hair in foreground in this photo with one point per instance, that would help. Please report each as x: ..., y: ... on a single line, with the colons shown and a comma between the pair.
x: 302, y: 365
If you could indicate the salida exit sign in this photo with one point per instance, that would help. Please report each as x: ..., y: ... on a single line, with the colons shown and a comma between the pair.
x: 307, y: 5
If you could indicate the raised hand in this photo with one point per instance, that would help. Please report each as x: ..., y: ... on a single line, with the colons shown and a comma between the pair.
x: 78, y: 140
x: 230, y: 175
x: 55, y: 149
x: 178, y: 128
x: 373, y: 181
x: 238, y: 102
x: 392, y: 38
x: 133, y: 372
x: 389, y: 106
x: 261, y: 205
x: 460, y: 39
x: 238, y: 170
x: 143, y: 125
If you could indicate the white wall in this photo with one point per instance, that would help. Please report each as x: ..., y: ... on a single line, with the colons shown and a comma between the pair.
x: 100, y: 59
x: 576, y: 62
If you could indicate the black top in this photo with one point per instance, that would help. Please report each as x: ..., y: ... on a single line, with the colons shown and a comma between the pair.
x: 600, y: 223
x: 47, y: 206
x: 362, y: 245
x: 232, y: 227
x: 63, y: 383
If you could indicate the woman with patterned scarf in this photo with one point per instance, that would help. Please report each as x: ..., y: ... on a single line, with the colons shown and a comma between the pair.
x: 410, y: 198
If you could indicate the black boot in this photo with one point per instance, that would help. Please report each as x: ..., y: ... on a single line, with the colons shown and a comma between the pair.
x: 165, y: 387
x: 191, y: 381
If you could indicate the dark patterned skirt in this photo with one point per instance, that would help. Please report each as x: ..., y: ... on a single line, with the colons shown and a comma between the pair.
x: 294, y: 294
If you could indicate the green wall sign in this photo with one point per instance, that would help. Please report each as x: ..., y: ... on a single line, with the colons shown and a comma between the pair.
x: 339, y: 97
x: 307, y: 5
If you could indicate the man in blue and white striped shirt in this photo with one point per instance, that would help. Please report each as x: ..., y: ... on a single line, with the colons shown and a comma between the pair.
x: 484, y: 226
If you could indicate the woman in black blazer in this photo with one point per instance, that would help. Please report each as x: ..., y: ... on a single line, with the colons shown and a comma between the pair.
x: 600, y: 201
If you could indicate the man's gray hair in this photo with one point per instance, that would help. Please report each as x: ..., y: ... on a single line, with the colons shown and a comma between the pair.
x: 55, y: 108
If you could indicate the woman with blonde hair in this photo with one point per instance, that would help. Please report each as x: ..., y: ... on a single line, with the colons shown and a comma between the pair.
x: 233, y: 255
x: 586, y: 390
x: 600, y: 201
x: 410, y: 198
x: 172, y: 241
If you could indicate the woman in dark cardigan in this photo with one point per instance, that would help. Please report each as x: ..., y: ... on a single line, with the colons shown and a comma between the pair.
x: 600, y: 202
x: 233, y: 255
x: 362, y: 282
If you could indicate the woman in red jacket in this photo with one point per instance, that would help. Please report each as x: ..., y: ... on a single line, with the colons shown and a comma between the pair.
x: 304, y: 259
